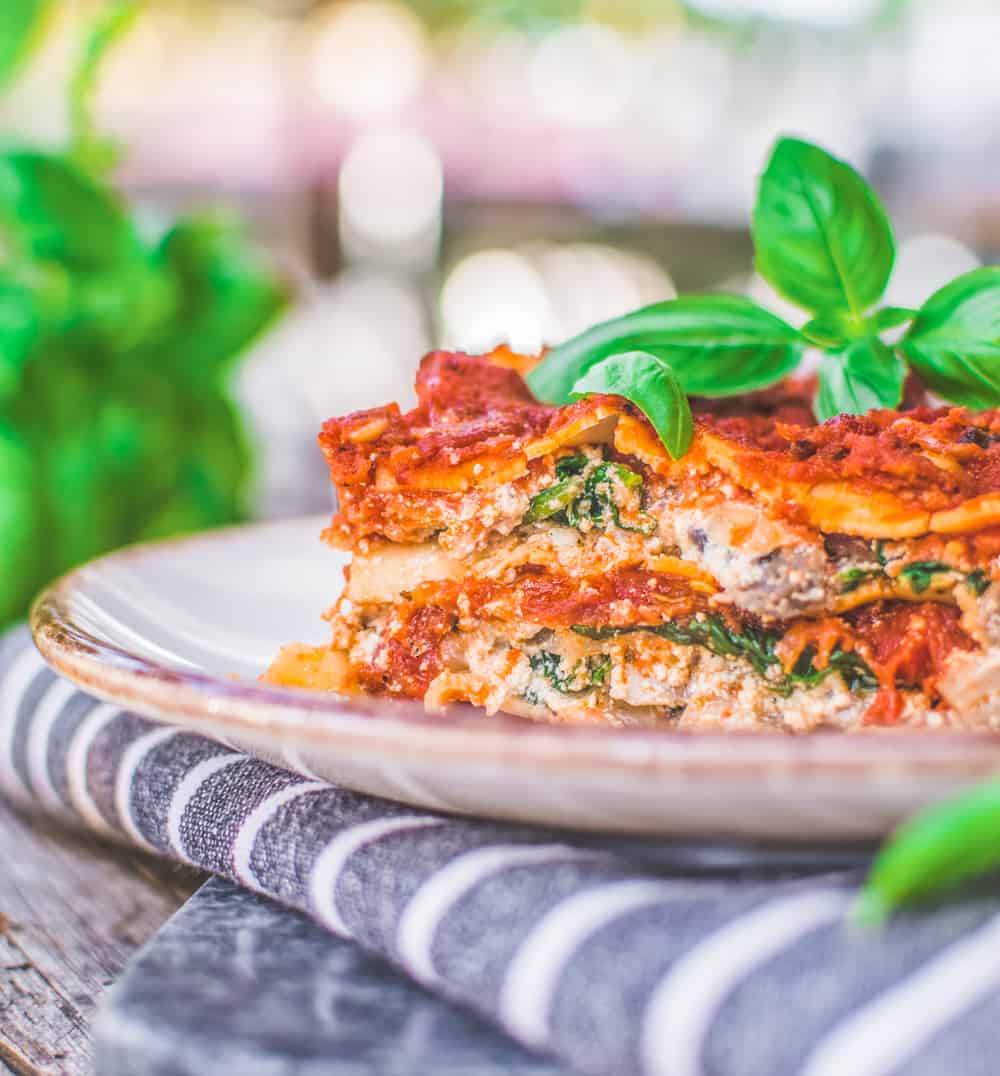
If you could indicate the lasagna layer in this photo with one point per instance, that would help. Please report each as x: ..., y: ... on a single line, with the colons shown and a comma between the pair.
x: 886, y: 664
x: 889, y: 474
x: 593, y: 512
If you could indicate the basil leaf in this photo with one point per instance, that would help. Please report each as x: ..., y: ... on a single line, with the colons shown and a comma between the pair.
x: 50, y: 209
x: 653, y: 387
x: 920, y: 573
x: 954, y: 343
x: 977, y: 581
x: 826, y: 331
x: 20, y: 21
x: 865, y: 375
x: 821, y: 236
x: 889, y: 317
x: 717, y: 345
x: 934, y: 851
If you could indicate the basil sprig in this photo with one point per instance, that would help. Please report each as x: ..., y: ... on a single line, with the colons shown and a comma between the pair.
x: 823, y: 240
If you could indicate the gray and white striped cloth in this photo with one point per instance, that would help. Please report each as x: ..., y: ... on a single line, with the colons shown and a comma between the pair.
x: 577, y: 948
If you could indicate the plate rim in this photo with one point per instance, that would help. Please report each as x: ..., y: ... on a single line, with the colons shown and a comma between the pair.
x: 379, y: 726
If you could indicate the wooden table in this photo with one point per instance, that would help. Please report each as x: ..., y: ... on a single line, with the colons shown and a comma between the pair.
x: 72, y: 912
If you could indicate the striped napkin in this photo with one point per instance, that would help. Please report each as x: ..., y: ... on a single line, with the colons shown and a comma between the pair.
x: 580, y: 949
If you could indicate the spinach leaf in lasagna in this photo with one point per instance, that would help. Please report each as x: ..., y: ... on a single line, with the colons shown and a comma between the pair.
x: 756, y: 646
x: 977, y: 581
x: 852, y: 578
x: 920, y: 573
x: 589, y: 494
x: 583, y: 675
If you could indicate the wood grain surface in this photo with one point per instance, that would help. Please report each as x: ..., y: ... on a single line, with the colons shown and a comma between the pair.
x: 72, y: 912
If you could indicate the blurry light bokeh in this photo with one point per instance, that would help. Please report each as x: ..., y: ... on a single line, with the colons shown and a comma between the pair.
x: 368, y: 57
x: 493, y: 297
x: 581, y: 75
x: 951, y: 71
x: 391, y: 186
x: 541, y: 293
x: 925, y: 263
x: 823, y: 12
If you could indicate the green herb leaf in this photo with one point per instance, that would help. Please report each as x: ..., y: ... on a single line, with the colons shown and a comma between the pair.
x: 977, y: 581
x: 20, y: 23
x: 954, y: 343
x: 88, y: 147
x: 585, y: 673
x: 826, y: 331
x: 557, y: 498
x: 933, y: 852
x: 820, y: 234
x: 598, y: 668
x: 50, y: 209
x: 20, y: 327
x: 889, y: 317
x: 717, y: 345
x: 570, y: 465
x: 864, y: 376
x: 920, y: 573
x: 754, y: 645
x: 19, y: 533
x: 586, y: 493
x: 853, y: 578
x: 653, y: 387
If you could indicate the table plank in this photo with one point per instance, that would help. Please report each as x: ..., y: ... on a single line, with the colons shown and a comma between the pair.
x: 72, y: 912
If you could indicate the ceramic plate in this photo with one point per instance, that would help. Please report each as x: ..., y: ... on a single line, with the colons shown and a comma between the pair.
x: 179, y: 631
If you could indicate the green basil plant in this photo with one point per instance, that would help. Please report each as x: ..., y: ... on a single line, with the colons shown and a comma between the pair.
x: 824, y: 242
x: 116, y: 349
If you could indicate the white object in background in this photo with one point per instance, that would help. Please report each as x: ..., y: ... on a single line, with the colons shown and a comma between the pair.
x: 390, y: 193
x: 366, y: 59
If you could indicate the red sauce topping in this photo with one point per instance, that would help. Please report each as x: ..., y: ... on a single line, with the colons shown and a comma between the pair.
x: 475, y: 406
x: 906, y: 644
x: 621, y: 598
x: 409, y: 655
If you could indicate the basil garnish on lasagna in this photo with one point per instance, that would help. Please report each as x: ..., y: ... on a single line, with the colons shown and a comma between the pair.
x: 556, y: 562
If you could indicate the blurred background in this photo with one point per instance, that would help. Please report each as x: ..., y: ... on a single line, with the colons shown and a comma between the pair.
x: 403, y: 174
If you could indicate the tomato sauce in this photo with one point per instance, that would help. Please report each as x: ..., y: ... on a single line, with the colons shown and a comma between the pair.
x: 409, y: 655
x: 619, y: 599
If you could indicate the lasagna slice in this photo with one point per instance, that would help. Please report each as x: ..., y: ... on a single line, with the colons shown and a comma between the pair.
x: 556, y: 563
